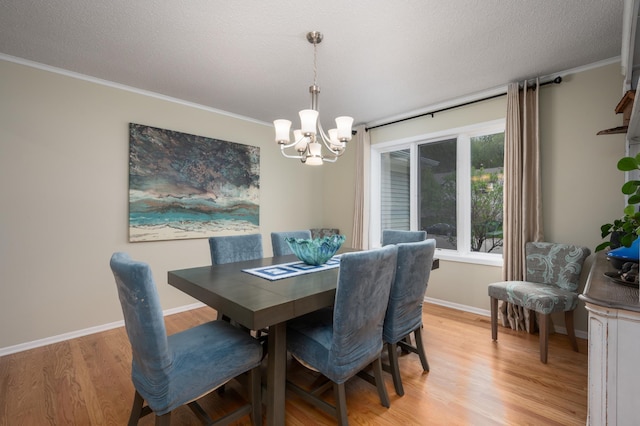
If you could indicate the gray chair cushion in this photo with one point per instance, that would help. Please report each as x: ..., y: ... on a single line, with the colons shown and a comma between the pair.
x: 280, y: 246
x: 542, y: 298
x: 340, y: 342
x: 391, y: 236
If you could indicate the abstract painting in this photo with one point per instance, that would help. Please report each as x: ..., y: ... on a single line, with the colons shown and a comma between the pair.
x: 185, y: 186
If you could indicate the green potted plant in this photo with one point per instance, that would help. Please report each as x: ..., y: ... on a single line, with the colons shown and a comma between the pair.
x: 626, y: 229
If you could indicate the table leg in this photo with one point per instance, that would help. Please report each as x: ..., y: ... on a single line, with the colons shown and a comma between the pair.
x: 276, y: 374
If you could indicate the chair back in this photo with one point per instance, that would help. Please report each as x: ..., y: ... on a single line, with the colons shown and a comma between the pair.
x: 362, y: 294
x: 142, y: 318
x: 555, y: 264
x: 404, y: 312
x: 235, y: 248
x: 392, y: 236
x: 280, y: 246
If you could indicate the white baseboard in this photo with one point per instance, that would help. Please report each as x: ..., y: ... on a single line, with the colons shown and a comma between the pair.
x: 85, y: 332
x: 458, y: 306
x: 484, y: 312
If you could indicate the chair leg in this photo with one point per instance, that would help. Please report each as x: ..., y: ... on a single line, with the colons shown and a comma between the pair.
x: 544, y: 336
x: 341, y: 403
x: 164, y: 420
x: 494, y: 318
x: 136, y: 410
x: 420, y: 347
x: 382, y: 389
x: 571, y: 332
x: 395, y: 368
x: 255, y: 393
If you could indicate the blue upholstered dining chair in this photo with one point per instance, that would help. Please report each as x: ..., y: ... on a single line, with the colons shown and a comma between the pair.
x: 171, y: 371
x: 280, y: 246
x: 391, y: 236
x: 404, y: 312
x: 341, y: 342
x: 235, y: 248
x: 551, y: 280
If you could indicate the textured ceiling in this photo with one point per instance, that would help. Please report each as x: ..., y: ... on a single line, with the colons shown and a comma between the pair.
x: 379, y: 59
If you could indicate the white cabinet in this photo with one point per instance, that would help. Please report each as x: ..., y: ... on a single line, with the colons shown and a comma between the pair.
x: 614, y: 376
x: 614, y: 349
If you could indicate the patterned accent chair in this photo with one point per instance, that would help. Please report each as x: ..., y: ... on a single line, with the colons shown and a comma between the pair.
x: 324, y: 232
x: 342, y: 341
x: 280, y: 246
x: 551, y: 280
x: 391, y: 236
x: 171, y: 371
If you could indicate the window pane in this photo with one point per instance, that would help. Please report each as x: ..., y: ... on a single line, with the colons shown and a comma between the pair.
x: 437, y: 191
x: 487, y: 179
x: 394, y: 193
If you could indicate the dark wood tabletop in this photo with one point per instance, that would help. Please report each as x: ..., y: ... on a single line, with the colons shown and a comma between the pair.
x: 253, y: 301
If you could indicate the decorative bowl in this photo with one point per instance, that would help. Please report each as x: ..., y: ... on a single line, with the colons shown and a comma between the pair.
x: 617, y: 257
x: 316, y: 251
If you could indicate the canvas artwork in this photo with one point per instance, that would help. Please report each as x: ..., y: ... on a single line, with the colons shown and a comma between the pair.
x: 185, y: 186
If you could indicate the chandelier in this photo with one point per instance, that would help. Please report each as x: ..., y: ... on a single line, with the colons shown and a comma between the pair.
x: 308, y: 141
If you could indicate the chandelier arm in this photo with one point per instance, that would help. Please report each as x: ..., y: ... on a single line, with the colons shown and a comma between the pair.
x: 282, y: 151
x: 325, y: 139
x: 327, y: 143
x: 290, y: 145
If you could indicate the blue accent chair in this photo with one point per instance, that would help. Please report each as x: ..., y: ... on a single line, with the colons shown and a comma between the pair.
x: 280, y: 246
x: 235, y: 248
x: 391, y: 236
x: 404, y: 312
x: 552, y: 277
x: 341, y: 342
x: 171, y: 371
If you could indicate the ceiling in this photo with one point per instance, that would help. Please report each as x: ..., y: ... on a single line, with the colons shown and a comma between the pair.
x: 379, y: 59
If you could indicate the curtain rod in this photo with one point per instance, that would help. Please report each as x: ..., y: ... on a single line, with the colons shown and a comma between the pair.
x: 556, y: 80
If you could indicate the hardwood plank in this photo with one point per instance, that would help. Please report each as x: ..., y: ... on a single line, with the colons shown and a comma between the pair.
x: 473, y: 381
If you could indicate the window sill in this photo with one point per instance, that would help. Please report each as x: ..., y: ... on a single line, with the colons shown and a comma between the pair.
x: 476, y: 258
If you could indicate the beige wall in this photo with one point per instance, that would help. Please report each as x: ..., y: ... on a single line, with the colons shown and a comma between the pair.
x: 64, y: 190
x: 64, y: 171
x: 580, y: 180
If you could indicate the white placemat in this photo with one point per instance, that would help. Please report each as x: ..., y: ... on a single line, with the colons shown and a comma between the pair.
x: 292, y: 269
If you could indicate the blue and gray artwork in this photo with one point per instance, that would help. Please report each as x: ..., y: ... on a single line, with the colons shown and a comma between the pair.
x: 186, y: 186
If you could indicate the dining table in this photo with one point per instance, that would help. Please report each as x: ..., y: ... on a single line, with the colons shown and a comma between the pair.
x: 257, y: 303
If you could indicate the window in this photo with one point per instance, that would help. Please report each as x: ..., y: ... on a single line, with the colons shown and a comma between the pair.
x: 448, y: 184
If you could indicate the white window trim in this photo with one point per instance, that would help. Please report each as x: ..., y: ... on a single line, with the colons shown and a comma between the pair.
x: 464, y: 135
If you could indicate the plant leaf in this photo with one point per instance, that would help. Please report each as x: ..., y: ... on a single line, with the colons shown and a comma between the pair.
x: 630, y: 187
x: 627, y: 164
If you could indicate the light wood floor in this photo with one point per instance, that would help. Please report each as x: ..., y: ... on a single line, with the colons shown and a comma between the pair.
x: 473, y: 381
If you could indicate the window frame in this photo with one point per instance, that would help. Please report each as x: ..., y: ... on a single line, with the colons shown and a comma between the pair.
x: 463, y: 136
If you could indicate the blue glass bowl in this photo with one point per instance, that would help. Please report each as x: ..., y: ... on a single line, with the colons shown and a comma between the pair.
x: 315, y: 251
x: 622, y: 254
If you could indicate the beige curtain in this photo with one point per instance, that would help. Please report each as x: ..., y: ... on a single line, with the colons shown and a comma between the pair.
x: 522, y: 191
x: 361, y: 196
